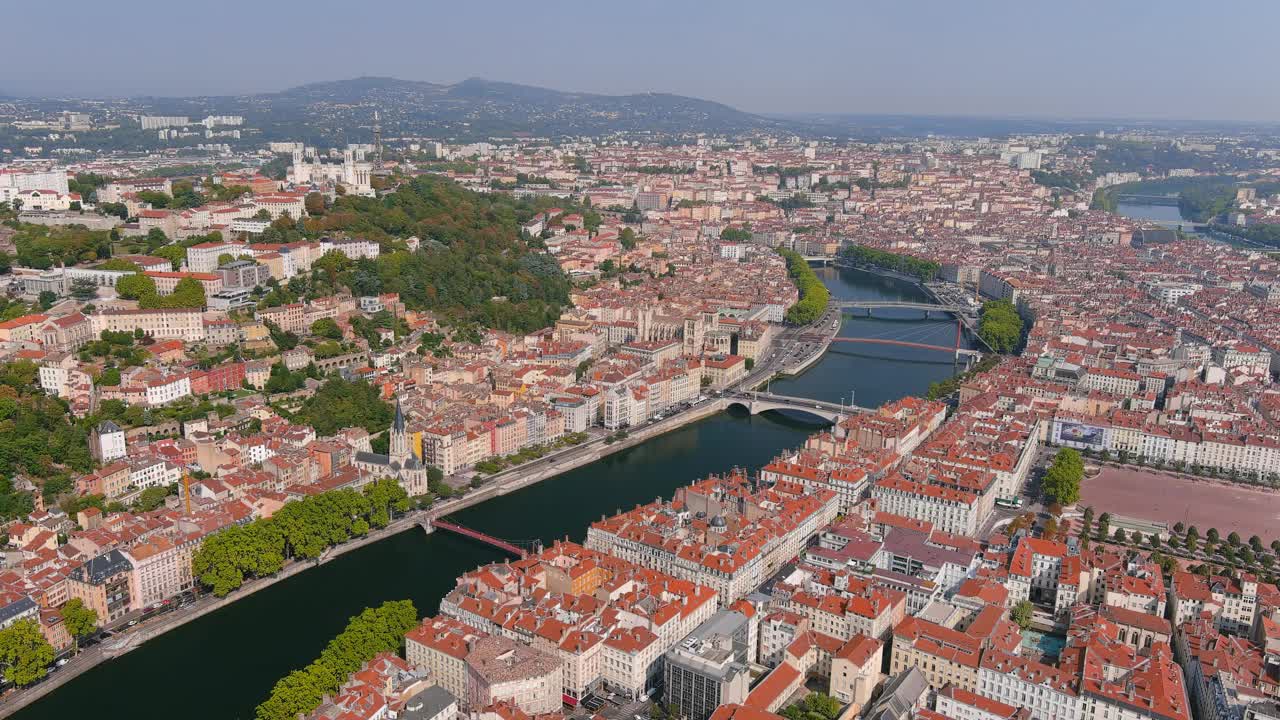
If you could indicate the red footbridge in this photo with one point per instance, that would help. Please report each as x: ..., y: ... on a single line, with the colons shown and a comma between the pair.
x: 514, y: 549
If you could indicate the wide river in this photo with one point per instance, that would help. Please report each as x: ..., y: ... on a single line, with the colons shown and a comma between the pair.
x: 222, y: 665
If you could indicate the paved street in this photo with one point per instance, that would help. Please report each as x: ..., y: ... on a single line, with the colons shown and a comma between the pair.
x: 790, y: 350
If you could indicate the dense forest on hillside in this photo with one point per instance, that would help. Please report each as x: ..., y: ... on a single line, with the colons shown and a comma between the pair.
x: 472, y: 264
x: 1159, y: 157
x: 37, y: 438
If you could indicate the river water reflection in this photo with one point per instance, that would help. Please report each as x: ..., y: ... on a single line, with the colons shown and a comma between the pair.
x: 222, y: 665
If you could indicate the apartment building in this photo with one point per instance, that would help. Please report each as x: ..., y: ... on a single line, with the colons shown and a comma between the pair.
x: 1021, y: 682
x: 184, y: 325
x: 950, y: 655
x: 949, y: 510
x: 104, y: 585
x: 161, y: 568
x: 709, y: 667
x: 1232, y: 603
x: 440, y: 645
x: 717, y: 538
x: 500, y: 669
x: 859, y: 607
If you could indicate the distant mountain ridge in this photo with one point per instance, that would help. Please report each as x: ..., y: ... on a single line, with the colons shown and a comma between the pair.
x: 473, y: 108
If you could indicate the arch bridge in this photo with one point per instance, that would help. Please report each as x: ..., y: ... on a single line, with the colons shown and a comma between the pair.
x: 758, y: 402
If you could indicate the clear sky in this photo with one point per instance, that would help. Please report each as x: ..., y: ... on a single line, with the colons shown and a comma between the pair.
x: 1214, y: 59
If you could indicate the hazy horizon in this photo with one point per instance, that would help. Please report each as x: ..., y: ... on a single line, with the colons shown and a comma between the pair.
x: 990, y: 58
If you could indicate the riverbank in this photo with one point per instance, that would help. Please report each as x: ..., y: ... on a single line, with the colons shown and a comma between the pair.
x: 258, y: 637
x: 104, y: 651
x: 500, y: 484
x: 881, y: 271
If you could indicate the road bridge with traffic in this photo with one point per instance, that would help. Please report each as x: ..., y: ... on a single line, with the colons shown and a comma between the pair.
x: 758, y: 402
x: 966, y: 317
x: 927, y: 307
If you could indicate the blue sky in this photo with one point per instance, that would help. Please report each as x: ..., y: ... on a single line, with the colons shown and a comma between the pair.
x: 1081, y: 58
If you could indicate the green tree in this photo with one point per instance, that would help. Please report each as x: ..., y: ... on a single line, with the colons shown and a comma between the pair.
x: 175, y: 254
x: 155, y: 239
x: 79, y: 620
x: 225, y: 559
x: 1022, y: 613
x: 340, y: 404
x: 373, y: 631
x: 38, y: 439
x: 925, y: 270
x: 42, y: 247
x: 136, y: 287
x: 628, y: 239
x: 283, y: 339
x: 1000, y: 325
x: 1062, y: 479
x: 84, y: 289
x: 385, y: 496
x: 326, y: 327
x: 120, y: 265
x: 314, y: 204
x: 150, y: 498
x: 298, y: 693
x: 24, y: 653
x: 1104, y: 525
x: 814, y: 295
x: 821, y: 705
x: 187, y: 293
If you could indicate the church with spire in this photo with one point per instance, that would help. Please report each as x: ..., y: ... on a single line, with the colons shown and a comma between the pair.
x: 399, y: 462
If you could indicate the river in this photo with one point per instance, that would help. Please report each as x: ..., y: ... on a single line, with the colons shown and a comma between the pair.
x: 1167, y: 215
x: 222, y: 665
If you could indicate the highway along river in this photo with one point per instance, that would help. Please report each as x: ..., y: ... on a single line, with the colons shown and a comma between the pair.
x: 222, y: 665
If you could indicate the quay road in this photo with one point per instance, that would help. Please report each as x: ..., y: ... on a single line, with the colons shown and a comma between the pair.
x: 790, y: 354
x: 794, y: 350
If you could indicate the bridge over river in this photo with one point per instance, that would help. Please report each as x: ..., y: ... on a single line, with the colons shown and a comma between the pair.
x: 758, y: 402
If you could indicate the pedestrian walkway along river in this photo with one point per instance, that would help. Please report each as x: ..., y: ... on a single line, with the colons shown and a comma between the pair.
x: 221, y: 665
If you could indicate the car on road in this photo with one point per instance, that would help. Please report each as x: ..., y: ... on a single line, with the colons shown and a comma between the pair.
x: 61, y: 662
